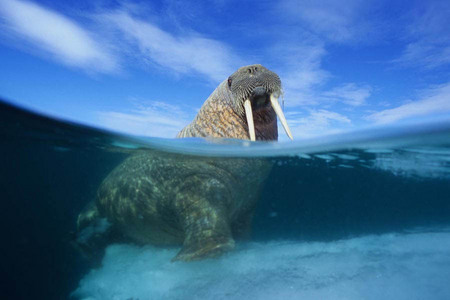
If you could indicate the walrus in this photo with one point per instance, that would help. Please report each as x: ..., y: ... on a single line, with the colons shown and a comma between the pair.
x: 203, y: 204
x: 244, y: 106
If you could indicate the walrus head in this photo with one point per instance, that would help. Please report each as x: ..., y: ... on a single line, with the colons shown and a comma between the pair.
x: 244, y: 106
x: 256, y: 89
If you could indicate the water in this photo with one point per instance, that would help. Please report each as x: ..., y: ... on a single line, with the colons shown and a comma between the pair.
x: 356, y: 216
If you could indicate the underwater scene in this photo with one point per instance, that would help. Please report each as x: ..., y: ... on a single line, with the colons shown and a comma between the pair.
x: 362, y: 215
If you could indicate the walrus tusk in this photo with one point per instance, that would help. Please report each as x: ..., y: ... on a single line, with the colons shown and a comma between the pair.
x: 277, y: 108
x: 249, y: 115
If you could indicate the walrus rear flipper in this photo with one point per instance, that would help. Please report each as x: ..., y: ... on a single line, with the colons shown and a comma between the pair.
x: 204, y: 219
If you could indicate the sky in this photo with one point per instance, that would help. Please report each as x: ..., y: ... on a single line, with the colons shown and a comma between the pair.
x: 146, y: 67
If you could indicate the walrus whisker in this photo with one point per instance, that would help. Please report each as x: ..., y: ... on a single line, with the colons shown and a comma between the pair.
x: 249, y: 115
x: 277, y: 108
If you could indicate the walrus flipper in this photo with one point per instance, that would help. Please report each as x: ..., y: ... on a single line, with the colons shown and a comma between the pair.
x: 94, y: 233
x: 204, y: 219
x: 87, y: 216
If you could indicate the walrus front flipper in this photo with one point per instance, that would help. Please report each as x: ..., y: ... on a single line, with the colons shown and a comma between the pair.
x: 203, y: 214
x: 93, y: 234
x: 87, y: 216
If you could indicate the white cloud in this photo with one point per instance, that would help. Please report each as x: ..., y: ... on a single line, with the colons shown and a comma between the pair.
x: 427, y: 32
x: 425, y: 54
x: 304, y: 66
x: 184, y: 54
x: 317, y: 123
x: 330, y: 19
x: 303, y: 77
x: 48, y: 31
x: 300, y: 70
x: 349, y: 93
x: 155, y: 119
x: 436, y: 101
x: 312, y: 26
x: 40, y: 30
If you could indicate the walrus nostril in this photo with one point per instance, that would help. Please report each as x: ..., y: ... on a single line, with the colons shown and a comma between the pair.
x: 252, y: 70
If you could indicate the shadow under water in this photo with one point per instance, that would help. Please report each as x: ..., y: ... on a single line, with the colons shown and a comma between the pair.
x: 50, y: 170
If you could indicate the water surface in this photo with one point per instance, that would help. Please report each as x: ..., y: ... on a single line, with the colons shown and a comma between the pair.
x: 364, y: 215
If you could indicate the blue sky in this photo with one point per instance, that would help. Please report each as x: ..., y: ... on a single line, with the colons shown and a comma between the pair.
x: 146, y: 67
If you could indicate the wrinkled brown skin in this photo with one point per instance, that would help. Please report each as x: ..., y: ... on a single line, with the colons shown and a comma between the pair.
x: 201, y: 203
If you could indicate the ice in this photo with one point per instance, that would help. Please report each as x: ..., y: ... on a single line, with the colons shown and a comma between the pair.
x: 390, y: 266
x: 324, y: 156
x: 416, y: 164
x: 304, y: 155
x: 346, y: 156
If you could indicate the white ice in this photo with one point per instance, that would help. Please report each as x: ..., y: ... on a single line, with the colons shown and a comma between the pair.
x: 390, y: 266
x: 414, y: 163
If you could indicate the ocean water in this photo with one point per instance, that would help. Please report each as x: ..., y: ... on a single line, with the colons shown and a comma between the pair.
x: 364, y: 215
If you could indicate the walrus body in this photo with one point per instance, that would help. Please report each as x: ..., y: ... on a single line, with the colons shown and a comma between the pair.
x: 201, y: 203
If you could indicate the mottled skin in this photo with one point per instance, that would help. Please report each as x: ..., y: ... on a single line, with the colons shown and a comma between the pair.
x: 202, y: 203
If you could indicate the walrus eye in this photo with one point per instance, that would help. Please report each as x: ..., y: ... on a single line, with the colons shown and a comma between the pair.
x: 229, y: 81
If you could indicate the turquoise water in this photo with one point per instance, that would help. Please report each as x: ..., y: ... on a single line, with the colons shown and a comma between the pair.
x: 364, y: 215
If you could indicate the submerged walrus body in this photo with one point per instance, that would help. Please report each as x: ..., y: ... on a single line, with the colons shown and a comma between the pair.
x: 200, y: 203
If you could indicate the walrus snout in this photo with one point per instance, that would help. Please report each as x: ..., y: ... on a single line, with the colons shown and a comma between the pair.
x: 256, y: 88
x: 259, y: 98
